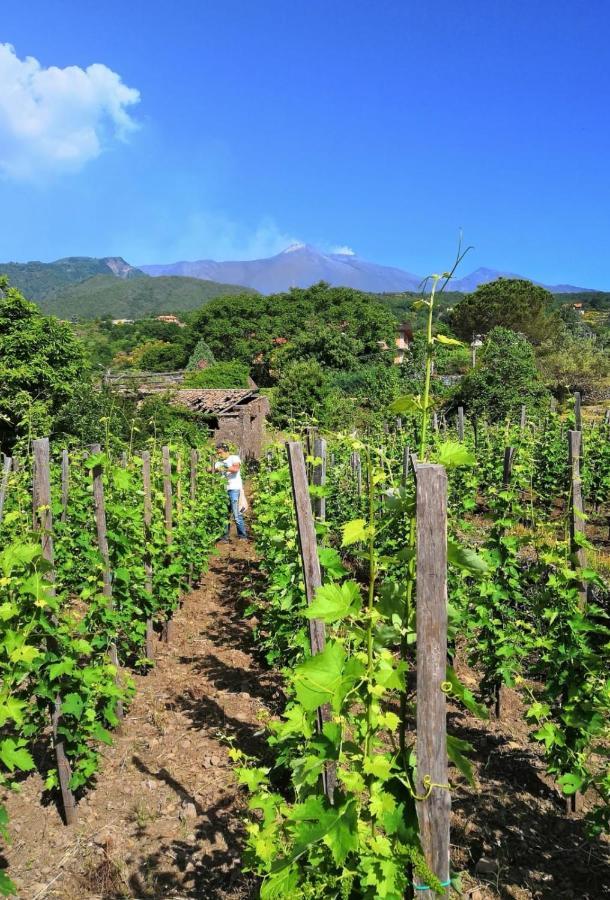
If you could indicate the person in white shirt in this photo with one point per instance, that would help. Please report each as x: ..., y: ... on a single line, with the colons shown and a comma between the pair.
x: 231, y: 464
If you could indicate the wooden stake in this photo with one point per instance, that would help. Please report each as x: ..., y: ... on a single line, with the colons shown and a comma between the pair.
x: 523, y: 418
x: 43, y: 522
x: 99, y: 508
x: 312, y: 576
x: 194, y: 458
x: 577, y: 411
x: 319, y: 478
x: 6, y: 471
x: 577, y: 521
x: 497, y: 694
x: 460, y: 423
x: 65, y: 483
x: 179, y: 505
x: 431, y: 747
x: 148, y: 569
x: 406, y: 461
x: 507, y: 468
x: 169, y: 525
x: 167, y: 495
x: 357, y: 470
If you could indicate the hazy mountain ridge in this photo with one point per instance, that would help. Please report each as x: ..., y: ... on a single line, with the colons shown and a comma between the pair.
x: 301, y: 265
x: 36, y: 280
x: 133, y: 298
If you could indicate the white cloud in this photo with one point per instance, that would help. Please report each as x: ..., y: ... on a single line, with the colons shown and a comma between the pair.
x: 55, y: 120
x: 343, y: 251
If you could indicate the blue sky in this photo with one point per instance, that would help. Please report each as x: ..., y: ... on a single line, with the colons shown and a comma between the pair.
x: 228, y: 129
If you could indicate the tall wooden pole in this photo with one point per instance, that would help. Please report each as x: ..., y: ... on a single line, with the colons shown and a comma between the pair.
x: 65, y: 483
x: 99, y: 508
x: 577, y: 411
x: 460, y: 423
x: 319, y: 478
x: 312, y: 575
x: 431, y: 743
x: 6, y: 471
x: 43, y: 522
x: 148, y: 569
x: 169, y: 527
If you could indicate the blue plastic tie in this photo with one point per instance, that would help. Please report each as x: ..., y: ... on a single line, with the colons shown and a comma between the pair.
x: 425, y: 887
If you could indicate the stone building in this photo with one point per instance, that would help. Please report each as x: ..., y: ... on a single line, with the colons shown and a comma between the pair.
x: 235, y: 416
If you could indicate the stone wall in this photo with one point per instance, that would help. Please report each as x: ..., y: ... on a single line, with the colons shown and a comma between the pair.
x: 244, y: 427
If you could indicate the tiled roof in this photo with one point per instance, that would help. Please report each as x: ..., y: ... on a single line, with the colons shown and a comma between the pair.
x: 213, y: 400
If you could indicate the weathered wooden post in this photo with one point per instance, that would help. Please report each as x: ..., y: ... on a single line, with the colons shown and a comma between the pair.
x: 577, y: 411
x: 319, y: 478
x: 168, y: 626
x: 434, y: 809
x: 179, y: 504
x: 398, y: 423
x: 553, y: 405
x: 193, y: 461
x: 577, y: 514
x: 523, y: 418
x: 497, y: 693
x: 406, y: 460
x: 312, y: 575
x: 460, y: 423
x: 6, y: 471
x: 357, y: 470
x: 99, y: 508
x: 507, y: 468
x: 43, y: 522
x: 435, y: 421
x: 579, y: 555
x: 148, y: 569
x: 167, y: 495
x: 65, y: 483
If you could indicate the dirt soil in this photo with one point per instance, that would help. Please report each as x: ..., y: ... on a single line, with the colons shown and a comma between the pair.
x: 164, y: 820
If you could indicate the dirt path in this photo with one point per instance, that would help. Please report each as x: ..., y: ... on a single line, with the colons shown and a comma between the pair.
x: 164, y: 819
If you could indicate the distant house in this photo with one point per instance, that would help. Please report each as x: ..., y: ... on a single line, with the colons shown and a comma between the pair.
x: 402, y: 341
x: 579, y: 308
x: 122, y: 321
x: 171, y: 320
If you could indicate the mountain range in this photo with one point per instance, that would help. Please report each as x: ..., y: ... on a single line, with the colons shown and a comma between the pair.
x: 87, y: 287
x: 301, y: 265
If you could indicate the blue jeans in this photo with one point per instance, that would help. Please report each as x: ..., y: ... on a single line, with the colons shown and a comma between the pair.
x: 235, y: 512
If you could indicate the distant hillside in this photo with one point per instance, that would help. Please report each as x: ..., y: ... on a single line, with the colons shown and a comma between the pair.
x: 36, y: 280
x: 106, y: 295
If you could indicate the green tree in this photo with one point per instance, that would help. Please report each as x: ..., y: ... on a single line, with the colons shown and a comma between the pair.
x: 160, y: 356
x: 300, y: 393
x: 41, y: 364
x: 201, y: 357
x: 506, y: 376
x: 373, y: 387
x: 96, y: 416
x: 220, y: 375
x: 250, y: 329
x: 507, y: 302
x: 330, y: 344
x: 574, y: 363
